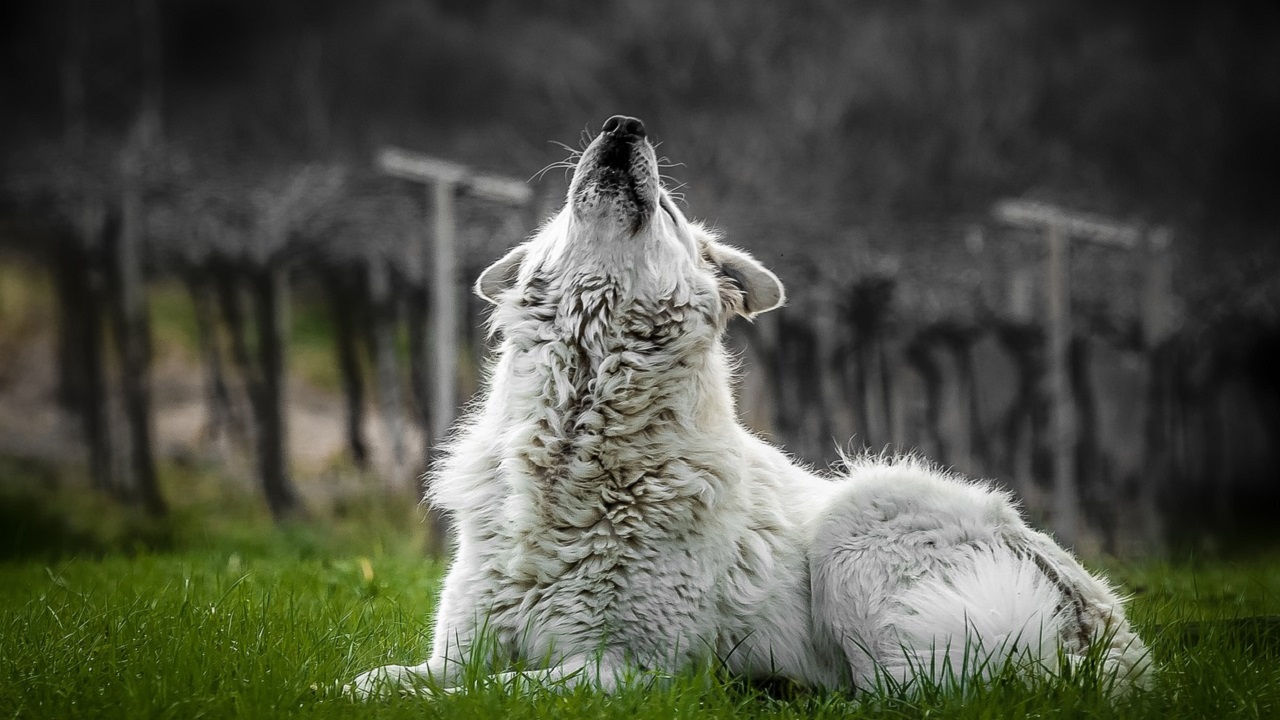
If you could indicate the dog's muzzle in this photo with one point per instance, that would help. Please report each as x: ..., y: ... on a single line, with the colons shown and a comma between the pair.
x: 615, y: 175
x: 617, y: 142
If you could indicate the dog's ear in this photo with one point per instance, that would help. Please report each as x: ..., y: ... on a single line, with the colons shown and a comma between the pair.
x: 746, y: 286
x: 500, y: 276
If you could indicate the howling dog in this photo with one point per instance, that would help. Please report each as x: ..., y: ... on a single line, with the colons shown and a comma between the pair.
x: 615, y: 520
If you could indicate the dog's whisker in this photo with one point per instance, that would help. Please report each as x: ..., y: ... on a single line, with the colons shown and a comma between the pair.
x: 557, y: 164
x: 573, y: 154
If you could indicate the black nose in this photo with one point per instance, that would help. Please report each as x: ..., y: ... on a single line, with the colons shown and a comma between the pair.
x: 628, y: 127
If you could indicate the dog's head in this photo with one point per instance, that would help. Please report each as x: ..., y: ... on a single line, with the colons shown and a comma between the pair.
x: 621, y: 229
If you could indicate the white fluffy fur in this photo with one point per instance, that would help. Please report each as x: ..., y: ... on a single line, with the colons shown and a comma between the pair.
x: 613, y: 517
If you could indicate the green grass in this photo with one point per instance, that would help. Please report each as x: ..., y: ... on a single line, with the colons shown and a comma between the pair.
x: 47, y: 512
x: 268, y: 622
x: 215, y: 612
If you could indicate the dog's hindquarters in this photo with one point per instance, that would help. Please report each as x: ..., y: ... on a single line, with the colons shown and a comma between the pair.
x: 915, y: 574
x: 969, y: 621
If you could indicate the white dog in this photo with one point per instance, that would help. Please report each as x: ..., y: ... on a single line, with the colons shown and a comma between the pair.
x: 614, y: 518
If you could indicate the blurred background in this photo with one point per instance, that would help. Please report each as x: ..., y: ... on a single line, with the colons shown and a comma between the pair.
x: 1034, y: 241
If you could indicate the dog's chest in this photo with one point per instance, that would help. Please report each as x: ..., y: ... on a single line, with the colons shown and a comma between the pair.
x: 637, y: 568
x: 609, y: 520
x: 588, y: 520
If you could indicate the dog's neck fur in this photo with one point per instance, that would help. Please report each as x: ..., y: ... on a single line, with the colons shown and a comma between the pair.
x: 600, y: 385
x: 610, y: 404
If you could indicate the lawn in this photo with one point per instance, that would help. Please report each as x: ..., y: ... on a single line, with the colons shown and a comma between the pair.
x: 270, y: 629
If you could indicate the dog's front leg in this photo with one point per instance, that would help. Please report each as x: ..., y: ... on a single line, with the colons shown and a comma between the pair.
x: 389, y: 680
x: 598, y: 672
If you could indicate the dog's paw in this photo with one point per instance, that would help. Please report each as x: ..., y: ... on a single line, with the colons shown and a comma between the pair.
x: 384, y: 682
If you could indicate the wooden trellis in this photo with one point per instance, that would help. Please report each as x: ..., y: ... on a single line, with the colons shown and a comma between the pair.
x: 445, y: 180
x: 1060, y: 227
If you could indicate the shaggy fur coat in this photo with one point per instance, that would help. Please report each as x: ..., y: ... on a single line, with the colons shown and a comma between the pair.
x: 614, y: 518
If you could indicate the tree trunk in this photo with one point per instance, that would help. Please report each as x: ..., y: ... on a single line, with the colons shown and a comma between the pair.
x: 79, y: 275
x: 966, y: 430
x: 69, y: 286
x: 134, y: 346
x: 97, y: 428
x: 382, y: 325
x: 82, y: 386
x: 270, y: 296
x: 1088, y: 456
x: 920, y: 358
x: 150, y: 29
x: 264, y: 379
x: 1159, y: 436
x: 420, y: 370
x: 343, y: 303
x: 1021, y: 427
x: 217, y: 397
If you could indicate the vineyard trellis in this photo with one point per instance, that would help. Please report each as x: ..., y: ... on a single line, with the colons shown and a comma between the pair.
x: 935, y: 344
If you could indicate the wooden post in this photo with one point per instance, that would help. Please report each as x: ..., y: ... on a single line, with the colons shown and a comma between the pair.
x: 1061, y: 227
x: 444, y: 309
x: 446, y: 180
